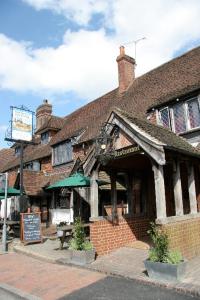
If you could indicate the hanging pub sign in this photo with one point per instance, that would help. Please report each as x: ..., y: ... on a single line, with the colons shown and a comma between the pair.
x: 126, y: 151
x: 22, y: 124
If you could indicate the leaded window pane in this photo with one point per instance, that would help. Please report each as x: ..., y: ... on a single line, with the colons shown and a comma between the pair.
x: 179, y: 118
x: 164, y: 117
x: 193, y: 113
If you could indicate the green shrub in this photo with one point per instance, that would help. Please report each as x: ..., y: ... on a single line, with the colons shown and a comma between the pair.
x: 160, y: 241
x: 160, y: 251
x: 174, y: 257
x: 78, y: 241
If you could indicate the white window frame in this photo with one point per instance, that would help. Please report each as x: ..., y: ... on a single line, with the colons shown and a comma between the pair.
x: 188, y: 125
x: 160, y: 120
x: 173, y: 119
x: 186, y: 113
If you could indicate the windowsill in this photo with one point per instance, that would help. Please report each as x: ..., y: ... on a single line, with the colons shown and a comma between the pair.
x: 64, y: 163
x: 174, y: 219
x: 189, y: 131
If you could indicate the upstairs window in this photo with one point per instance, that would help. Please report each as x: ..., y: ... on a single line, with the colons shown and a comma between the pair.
x: 193, y: 113
x: 164, y: 117
x: 45, y: 138
x: 182, y: 116
x: 62, y: 153
x: 179, y: 117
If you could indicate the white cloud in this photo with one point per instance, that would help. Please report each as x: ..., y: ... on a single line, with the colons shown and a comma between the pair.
x: 79, y: 11
x: 85, y: 61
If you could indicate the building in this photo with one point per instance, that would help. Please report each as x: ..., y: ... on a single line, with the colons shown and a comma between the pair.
x: 138, y: 144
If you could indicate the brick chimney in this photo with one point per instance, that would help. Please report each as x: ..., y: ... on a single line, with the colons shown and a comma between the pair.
x: 43, y: 113
x: 126, y: 70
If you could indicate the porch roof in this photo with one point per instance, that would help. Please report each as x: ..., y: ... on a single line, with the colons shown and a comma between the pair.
x: 167, y: 138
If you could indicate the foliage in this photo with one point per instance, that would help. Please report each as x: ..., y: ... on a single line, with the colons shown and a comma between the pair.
x: 174, y: 257
x: 160, y: 252
x: 78, y: 241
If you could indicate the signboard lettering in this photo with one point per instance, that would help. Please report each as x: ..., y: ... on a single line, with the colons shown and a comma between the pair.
x: 126, y: 151
x: 30, y: 227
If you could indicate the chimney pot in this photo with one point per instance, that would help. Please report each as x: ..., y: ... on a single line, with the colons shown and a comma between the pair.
x: 122, y: 50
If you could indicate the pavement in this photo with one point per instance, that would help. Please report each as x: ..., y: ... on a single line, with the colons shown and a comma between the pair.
x: 125, y: 262
x: 27, y: 278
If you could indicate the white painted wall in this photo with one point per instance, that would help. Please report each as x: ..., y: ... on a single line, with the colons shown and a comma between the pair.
x: 58, y: 215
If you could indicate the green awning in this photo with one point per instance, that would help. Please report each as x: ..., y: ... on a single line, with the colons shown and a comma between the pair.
x: 75, y: 180
x: 11, y: 192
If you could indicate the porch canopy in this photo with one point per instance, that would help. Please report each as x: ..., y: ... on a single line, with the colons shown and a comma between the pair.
x: 75, y: 180
x: 10, y: 192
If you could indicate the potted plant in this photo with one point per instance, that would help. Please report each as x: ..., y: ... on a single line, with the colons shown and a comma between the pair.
x: 81, y: 250
x: 162, y: 263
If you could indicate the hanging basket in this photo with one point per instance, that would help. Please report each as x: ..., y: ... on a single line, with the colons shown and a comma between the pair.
x: 105, y: 158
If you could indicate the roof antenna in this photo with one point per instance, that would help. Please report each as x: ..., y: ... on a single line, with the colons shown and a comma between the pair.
x: 135, y: 43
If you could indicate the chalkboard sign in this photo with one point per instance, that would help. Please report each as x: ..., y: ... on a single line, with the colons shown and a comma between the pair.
x: 30, y: 227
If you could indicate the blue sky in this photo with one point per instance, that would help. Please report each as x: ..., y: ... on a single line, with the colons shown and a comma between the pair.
x: 65, y: 50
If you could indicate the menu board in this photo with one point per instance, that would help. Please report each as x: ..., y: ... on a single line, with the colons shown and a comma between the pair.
x: 31, y: 227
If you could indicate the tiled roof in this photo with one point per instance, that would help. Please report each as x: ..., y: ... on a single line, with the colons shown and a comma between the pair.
x: 169, y: 139
x: 35, y: 182
x: 6, y: 155
x: 31, y: 153
x: 179, y: 74
x: 53, y: 122
x: 88, y: 117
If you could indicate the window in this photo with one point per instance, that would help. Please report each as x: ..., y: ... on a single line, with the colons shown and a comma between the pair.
x: 179, y: 117
x: 17, y: 151
x: 45, y: 138
x: 62, y: 199
x: 182, y: 116
x: 193, y: 113
x: 62, y: 153
x: 164, y: 117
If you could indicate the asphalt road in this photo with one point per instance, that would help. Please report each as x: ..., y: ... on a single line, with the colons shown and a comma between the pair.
x: 114, y: 288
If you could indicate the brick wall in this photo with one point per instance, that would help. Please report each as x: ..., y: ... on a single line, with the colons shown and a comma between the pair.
x: 46, y: 164
x: 184, y: 236
x: 152, y: 117
x: 106, y: 236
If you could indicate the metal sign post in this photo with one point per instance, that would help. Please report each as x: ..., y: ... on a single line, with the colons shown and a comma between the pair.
x: 4, y: 234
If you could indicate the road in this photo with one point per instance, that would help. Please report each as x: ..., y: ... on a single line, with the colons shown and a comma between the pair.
x: 49, y: 281
x: 113, y: 288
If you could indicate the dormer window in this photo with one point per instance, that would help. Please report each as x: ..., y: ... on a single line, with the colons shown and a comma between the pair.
x: 45, y: 138
x: 182, y: 116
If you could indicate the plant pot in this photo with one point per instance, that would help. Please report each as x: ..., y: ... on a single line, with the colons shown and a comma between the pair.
x: 165, y: 271
x: 82, y: 257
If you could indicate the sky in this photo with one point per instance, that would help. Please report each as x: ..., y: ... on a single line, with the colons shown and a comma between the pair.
x: 65, y: 50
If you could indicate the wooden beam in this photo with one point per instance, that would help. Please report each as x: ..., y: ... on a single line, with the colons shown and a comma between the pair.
x: 94, y: 194
x: 177, y: 188
x: 113, y: 195
x: 192, y: 189
x: 159, y: 191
